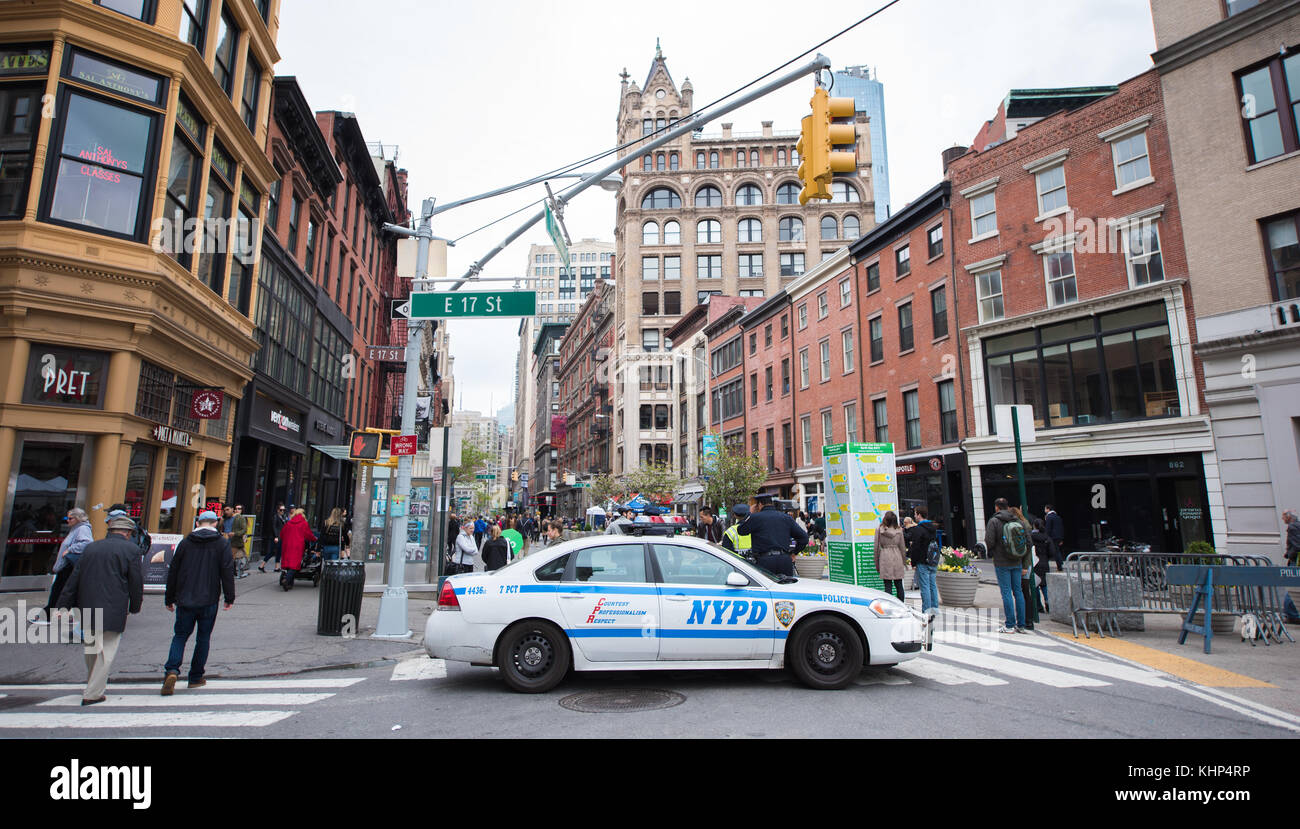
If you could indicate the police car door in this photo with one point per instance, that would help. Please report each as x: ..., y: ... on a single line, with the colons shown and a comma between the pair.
x: 701, y: 616
x: 609, y: 603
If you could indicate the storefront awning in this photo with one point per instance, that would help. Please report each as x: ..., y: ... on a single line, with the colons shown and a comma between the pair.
x: 688, y: 497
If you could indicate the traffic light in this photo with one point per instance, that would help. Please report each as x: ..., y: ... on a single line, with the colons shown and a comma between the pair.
x: 818, y: 162
x: 365, y: 446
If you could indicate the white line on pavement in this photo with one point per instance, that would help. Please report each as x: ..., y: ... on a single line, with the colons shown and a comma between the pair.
x: 213, y: 684
x: 1080, y: 663
x: 141, y: 701
x: 1020, y: 670
x: 1274, y: 717
x: 946, y: 674
x: 419, y: 668
x: 160, y: 719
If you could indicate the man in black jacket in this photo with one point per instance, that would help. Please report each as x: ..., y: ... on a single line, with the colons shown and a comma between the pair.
x: 202, y: 569
x: 918, y: 538
x: 776, y: 538
x: 1055, y: 529
x: 106, y: 585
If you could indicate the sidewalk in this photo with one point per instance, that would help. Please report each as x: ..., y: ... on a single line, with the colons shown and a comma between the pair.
x: 268, y: 632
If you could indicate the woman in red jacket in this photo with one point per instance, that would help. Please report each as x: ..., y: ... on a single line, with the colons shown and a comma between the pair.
x: 293, y: 543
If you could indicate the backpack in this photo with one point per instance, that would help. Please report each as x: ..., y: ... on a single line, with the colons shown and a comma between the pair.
x: 1015, y: 539
x: 933, y: 554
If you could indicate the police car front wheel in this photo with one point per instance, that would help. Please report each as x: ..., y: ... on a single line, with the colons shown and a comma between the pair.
x: 533, y: 656
x: 825, y: 653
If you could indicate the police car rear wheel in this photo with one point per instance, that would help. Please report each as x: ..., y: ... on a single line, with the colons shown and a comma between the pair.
x: 533, y: 657
x: 826, y: 654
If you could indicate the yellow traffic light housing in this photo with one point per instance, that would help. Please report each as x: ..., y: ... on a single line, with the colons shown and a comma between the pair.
x: 818, y: 162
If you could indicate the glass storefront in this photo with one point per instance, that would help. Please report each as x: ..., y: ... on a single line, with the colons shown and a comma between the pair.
x: 50, y: 476
x: 169, y: 505
x: 139, y: 473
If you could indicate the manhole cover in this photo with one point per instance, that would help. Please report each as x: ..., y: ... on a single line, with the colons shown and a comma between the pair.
x: 621, y: 701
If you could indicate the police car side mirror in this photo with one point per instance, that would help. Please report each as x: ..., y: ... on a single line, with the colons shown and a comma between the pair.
x: 735, y: 579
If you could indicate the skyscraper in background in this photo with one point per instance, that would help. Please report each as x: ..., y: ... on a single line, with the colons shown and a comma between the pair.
x: 869, y: 94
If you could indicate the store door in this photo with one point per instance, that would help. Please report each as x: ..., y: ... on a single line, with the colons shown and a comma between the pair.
x: 49, y: 478
x: 1183, y: 513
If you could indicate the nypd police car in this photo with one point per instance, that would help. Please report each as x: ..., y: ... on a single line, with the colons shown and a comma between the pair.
x: 664, y: 603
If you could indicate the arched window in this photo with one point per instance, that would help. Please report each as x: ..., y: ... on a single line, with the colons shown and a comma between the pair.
x: 660, y: 198
x: 708, y: 231
x: 749, y: 195
x: 672, y: 161
x: 649, y: 233
x: 713, y: 160
x: 852, y: 229
x: 830, y: 229
x: 787, y: 193
x: 790, y: 229
x: 794, y: 157
x: 751, y: 230
x: 659, y: 162
x: 645, y: 163
x: 842, y: 192
x: 753, y: 158
x: 672, y: 233
x: 708, y: 197
x: 780, y: 158
x: 647, y: 126
x: 699, y: 160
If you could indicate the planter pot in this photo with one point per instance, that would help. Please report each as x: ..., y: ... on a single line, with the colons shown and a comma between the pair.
x: 957, y: 589
x: 810, y: 567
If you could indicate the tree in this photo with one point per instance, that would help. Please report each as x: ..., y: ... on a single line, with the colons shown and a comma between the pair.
x: 731, y: 477
x: 655, y: 482
x: 605, y: 488
x: 472, y: 460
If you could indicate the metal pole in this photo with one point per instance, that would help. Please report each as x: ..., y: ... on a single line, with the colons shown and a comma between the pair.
x: 684, y: 126
x: 443, y: 507
x: 393, y: 621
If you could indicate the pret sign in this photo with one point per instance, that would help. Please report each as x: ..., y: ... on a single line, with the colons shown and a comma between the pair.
x: 402, y: 445
x: 206, y: 404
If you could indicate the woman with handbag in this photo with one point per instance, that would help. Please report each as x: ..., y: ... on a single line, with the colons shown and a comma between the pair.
x: 891, y: 555
x: 496, y: 550
x: 462, y: 559
x: 331, y: 537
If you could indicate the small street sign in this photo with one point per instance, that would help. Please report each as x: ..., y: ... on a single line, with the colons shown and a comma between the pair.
x: 556, y: 233
x: 401, y: 309
x: 437, y: 305
x: 386, y: 353
x: 402, y: 445
x: 582, y: 485
x: 486, y: 477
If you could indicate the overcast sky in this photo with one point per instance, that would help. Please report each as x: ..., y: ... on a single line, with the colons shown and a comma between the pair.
x: 476, y: 96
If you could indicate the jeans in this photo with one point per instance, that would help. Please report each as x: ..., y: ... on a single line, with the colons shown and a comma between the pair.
x: 60, y: 581
x: 330, y: 552
x: 926, y: 581
x: 186, y: 618
x: 1013, y: 600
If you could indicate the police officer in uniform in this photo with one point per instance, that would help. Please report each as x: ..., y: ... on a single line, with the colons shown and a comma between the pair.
x: 733, y: 540
x: 775, y: 537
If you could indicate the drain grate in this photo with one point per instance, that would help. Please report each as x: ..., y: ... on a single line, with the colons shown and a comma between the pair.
x: 621, y: 701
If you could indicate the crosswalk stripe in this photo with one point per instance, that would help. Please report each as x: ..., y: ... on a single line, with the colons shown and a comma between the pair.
x: 213, y: 684
x: 201, y: 700
x: 1020, y: 670
x: 947, y: 674
x: 1081, y: 663
x: 140, y: 719
x: 419, y: 668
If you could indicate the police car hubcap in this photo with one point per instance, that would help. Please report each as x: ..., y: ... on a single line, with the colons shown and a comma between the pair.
x: 532, y: 656
x: 826, y: 653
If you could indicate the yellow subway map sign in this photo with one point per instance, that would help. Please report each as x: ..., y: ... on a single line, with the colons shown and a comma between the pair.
x: 862, y: 489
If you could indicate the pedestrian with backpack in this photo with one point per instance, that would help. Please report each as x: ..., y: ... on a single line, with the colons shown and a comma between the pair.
x: 1027, y: 585
x: 923, y: 552
x: 890, y: 554
x: 1008, y: 541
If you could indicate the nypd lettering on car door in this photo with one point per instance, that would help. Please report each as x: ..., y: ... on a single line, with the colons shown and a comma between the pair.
x: 726, y: 611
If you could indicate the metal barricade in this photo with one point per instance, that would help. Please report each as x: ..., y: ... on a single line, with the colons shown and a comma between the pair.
x: 1104, y: 585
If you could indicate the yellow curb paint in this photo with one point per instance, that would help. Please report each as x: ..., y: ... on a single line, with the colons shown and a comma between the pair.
x: 1181, y: 667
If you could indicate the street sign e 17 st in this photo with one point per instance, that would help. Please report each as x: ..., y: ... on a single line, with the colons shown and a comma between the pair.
x: 554, y: 230
x: 435, y: 305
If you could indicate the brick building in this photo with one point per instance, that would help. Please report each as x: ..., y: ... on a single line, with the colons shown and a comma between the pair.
x: 1069, y: 255
x: 585, y: 396
x: 726, y: 412
x: 913, y: 383
x: 769, y: 372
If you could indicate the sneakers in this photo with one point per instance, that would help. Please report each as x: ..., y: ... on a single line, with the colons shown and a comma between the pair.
x: 1005, y: 629
x: 196, y: 683
x: 1022, y: 630
x: 169, y: 684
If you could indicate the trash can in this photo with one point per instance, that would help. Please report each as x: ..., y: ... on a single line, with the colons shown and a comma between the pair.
x: 342, y: 583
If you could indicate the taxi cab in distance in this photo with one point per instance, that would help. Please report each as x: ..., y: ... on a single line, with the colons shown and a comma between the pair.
x: 609, y: 603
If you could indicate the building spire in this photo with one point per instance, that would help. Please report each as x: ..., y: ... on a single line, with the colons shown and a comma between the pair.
x: 659, y: 53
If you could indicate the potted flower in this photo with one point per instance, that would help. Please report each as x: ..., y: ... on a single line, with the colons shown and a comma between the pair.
x: 811, y: 562
x: 958, y: 577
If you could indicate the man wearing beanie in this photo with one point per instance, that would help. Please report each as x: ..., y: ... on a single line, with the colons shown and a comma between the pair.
x: 202, y: 569
x: 106, y: 585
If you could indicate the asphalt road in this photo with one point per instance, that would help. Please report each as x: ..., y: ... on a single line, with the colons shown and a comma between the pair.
x: 1037, y: 686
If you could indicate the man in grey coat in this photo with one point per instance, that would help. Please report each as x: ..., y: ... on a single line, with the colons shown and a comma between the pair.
x: 108, y: 580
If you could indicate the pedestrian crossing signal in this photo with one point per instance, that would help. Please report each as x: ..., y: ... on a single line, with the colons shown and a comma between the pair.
x: 365, y: 446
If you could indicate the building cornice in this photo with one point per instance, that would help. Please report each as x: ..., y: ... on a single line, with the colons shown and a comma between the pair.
x: 1223, y: 34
